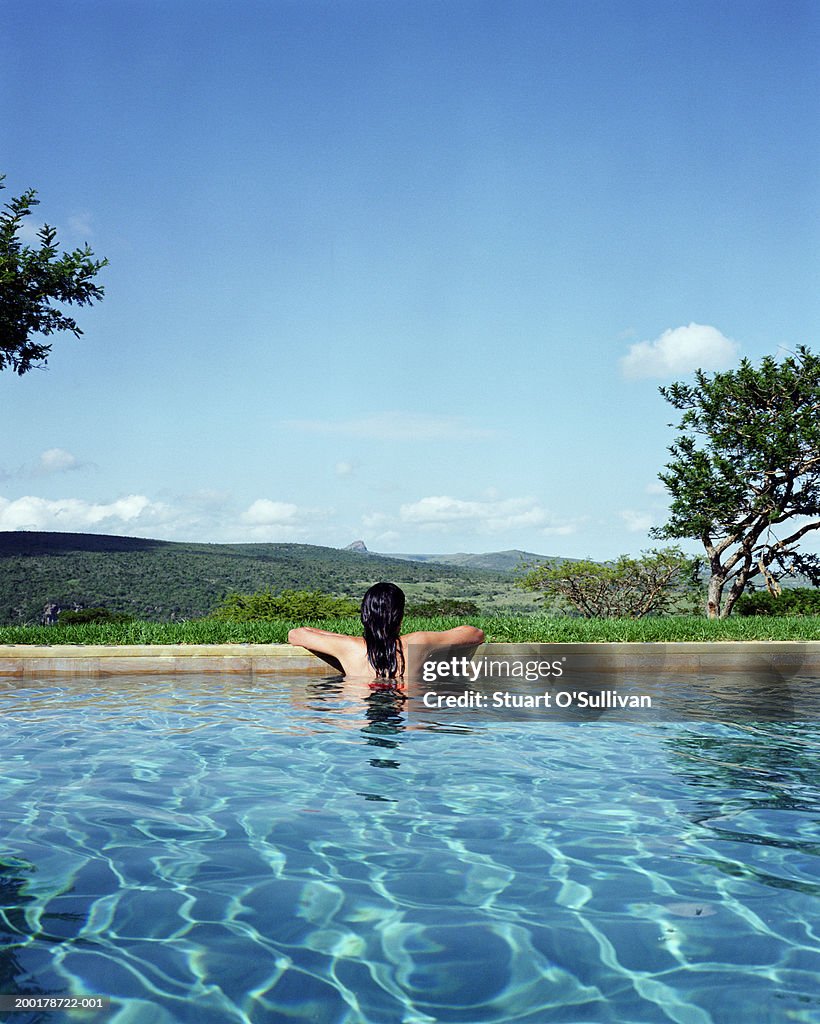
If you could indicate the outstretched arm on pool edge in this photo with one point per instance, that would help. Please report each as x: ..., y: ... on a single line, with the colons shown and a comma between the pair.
x: 319, y: 642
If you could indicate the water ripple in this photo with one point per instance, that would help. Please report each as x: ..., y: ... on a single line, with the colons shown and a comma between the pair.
x: 219, y: 850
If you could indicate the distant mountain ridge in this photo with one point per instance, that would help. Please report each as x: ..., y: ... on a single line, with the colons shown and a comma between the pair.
x: 494, y: 561
x: 498, y: 561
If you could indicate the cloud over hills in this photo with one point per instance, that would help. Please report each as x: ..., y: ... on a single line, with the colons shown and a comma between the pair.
x: 680, y: 351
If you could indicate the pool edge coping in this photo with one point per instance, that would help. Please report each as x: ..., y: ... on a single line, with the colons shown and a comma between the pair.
x: 111, y: 659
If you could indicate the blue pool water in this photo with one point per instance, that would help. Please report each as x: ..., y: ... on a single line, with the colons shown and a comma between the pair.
x: 238, y: 849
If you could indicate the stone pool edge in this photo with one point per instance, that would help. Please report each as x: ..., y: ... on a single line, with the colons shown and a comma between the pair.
x: 23, y: 660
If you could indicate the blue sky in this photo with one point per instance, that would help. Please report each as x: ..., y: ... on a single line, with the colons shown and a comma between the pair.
x: 409, y: 272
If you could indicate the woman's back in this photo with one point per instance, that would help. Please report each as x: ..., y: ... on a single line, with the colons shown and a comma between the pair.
x: 349, y: 654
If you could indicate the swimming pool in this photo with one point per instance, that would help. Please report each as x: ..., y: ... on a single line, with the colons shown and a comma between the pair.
x: 216, y: 849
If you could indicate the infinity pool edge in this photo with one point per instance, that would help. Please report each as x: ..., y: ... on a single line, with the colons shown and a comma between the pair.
x: 17, y: 660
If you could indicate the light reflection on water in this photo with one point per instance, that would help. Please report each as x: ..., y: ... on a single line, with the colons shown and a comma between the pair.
x: 206, y: 848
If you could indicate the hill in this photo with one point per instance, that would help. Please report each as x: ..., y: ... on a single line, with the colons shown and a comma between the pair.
x: 498, y: 561
x: 163, y: 580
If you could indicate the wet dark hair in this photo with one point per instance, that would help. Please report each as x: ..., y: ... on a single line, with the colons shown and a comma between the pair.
x: 382, y: 612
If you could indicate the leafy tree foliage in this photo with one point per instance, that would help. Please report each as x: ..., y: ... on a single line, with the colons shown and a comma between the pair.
x: 32, y: 280
x: 297, y: 605
x: 657, y: 583
x: 745, y: 473
x: 794, y: 601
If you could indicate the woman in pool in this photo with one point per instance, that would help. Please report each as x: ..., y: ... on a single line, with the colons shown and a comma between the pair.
x: 382, y: 651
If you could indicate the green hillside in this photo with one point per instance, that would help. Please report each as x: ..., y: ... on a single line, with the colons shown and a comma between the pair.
x: 500, y: 561
x: 162, y: 580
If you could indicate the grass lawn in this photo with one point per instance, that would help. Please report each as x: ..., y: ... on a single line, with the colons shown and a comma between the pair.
x: 499, y: 629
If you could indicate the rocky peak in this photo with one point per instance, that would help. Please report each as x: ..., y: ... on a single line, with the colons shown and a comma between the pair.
x: 357, y: 545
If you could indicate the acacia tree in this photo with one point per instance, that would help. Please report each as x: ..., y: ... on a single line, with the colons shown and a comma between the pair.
x: 656, y: 583
x: 745, y: 473
x: 31, y: 280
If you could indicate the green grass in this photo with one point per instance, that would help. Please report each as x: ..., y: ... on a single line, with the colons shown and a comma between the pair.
x: 499, y: 629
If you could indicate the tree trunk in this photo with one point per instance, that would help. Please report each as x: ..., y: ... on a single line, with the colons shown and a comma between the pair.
x: 714, y: 594
x: 734, y: 593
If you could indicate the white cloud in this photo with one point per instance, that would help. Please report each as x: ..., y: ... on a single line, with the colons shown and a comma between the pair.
x: 396, y: 426
x: 70, y: 514
x: 656, y: 487
x: 57, y: 460
x: 679, y: 351
x: 49, y: 463
x: 264, y: 512
x: 443, y: 513
x: 637, y: 522
x: 207, y: 516
x: 563, y: 529
x: 271, y: 521
x: 344, y: 469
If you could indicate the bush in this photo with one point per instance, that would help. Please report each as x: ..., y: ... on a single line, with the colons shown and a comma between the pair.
x: 797, y: 601
x: 293, y: 605
x: 78, y: 618
x: 660, y: 582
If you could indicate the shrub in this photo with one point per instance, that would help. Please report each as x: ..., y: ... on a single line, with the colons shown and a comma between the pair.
x: 796, y: 601
x: 294, y: 605
x: 660, y: 582
x: 83, y: 615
